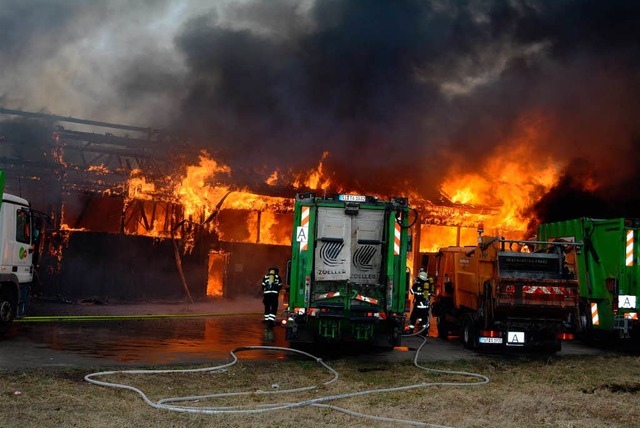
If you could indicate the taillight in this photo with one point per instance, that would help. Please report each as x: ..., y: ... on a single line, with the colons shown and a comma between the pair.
x: 610, y: 283
x: 614, y: 291
x: 490, y: 333
x: 565, y: 336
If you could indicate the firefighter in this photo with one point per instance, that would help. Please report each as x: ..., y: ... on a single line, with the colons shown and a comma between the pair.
x: 420, y: 291
x: 271, y: 285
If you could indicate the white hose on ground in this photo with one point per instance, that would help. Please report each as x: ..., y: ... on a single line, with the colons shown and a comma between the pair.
x: 317, y: 402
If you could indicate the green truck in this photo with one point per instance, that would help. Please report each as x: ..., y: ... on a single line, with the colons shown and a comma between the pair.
x: 347, y: 278
x: 608, y: 273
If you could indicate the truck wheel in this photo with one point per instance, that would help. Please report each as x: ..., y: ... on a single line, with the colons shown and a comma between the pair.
x: 469, y: 333
x: 7, y: 312
x: 443, y: 328
x: 586, y: 333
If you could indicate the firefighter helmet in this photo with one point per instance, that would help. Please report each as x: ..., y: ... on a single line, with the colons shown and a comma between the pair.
x: 273, y: 270
x: 423, y: 276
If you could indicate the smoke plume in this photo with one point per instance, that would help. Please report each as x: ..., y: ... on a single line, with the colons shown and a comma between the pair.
x: 399, y: 92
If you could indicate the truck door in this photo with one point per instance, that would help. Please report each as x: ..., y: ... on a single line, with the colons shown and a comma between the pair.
x: 333, y: 245
x: 366, y: 246
x: 349, y: 247
x: 17, y: 254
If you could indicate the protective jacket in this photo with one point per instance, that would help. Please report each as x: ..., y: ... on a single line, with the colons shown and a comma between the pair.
x: 271, y: 286
x: 420, y: 312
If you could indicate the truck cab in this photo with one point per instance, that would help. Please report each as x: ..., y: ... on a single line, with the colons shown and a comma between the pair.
x: 16, y: 258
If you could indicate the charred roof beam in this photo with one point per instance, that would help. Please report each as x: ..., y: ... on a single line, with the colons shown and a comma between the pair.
x: 57, y: 118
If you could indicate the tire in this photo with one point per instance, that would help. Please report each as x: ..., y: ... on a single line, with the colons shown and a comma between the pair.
x: 469, y: 333
x: 7, y: 312
x: 587, y: 333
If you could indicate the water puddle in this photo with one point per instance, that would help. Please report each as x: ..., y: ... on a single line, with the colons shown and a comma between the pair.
x: 159, y: 341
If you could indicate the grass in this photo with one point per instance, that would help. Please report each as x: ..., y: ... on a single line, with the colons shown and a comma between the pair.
x: 523, y: 392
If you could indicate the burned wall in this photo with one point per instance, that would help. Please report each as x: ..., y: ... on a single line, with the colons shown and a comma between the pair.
x: 120, y: 267
x: 247, y: 265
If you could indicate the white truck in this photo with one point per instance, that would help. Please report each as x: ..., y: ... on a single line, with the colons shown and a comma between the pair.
x: 16, y: 257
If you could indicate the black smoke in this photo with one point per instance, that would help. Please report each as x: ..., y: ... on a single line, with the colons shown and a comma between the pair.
x: 399, y: 92
x: 365, y: 80
x: 581, y: 193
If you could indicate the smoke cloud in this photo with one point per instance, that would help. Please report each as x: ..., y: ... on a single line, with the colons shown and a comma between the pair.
x: 398, y: 92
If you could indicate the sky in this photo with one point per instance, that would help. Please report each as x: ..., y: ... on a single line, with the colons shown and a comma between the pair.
x: 400, y: 93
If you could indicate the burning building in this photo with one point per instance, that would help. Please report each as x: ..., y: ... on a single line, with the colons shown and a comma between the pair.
x: 129, y: 222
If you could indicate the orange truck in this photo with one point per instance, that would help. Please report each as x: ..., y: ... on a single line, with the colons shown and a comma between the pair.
x: 504, y: 293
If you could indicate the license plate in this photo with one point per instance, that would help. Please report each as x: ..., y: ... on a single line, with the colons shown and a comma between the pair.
x: 490, y: 339
x: 515, y: 338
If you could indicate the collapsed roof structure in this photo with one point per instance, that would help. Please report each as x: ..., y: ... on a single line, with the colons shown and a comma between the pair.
x: 126, y: 210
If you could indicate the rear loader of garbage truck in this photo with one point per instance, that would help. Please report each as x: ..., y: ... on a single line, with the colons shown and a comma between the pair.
x: 348, y: 272
x: 608, y: 274
x: 495, y: 294
x: 16, y: 255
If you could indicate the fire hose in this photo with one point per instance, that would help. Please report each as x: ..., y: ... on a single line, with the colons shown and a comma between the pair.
x: 166, y: 403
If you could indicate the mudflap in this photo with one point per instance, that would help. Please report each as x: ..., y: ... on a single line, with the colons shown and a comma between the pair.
x: 296, y: 334
x: 23, y: 303
x: 389, y: 334
x: 298, y: 329
x: 385, y: 340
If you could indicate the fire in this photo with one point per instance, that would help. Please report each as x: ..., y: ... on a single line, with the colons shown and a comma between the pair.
x: 512, y: 181
x: 272, y: 180
x: 64, y: 226
x: 199, y: 193
x: 315, y: 179
x: 98, y: 169
x: 138, y: 188
x: 274, y: 229
x: 215, y: 278
x: 199, y: 198
x: 509, y: 186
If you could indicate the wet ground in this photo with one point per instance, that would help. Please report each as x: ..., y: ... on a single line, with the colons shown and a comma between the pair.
x: 94, y: 335
x: 153, y: 341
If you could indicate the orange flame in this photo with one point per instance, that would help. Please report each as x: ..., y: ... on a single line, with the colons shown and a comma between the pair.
x: 138, y: 188
x: 199, y: 198
x: 513, y: 180
x: 215, y: 278
x: 315, y: 179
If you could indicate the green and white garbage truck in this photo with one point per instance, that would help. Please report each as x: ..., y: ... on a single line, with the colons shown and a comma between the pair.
x: 347, y: 278
x: 16, y: 257
x: 608, y: 273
